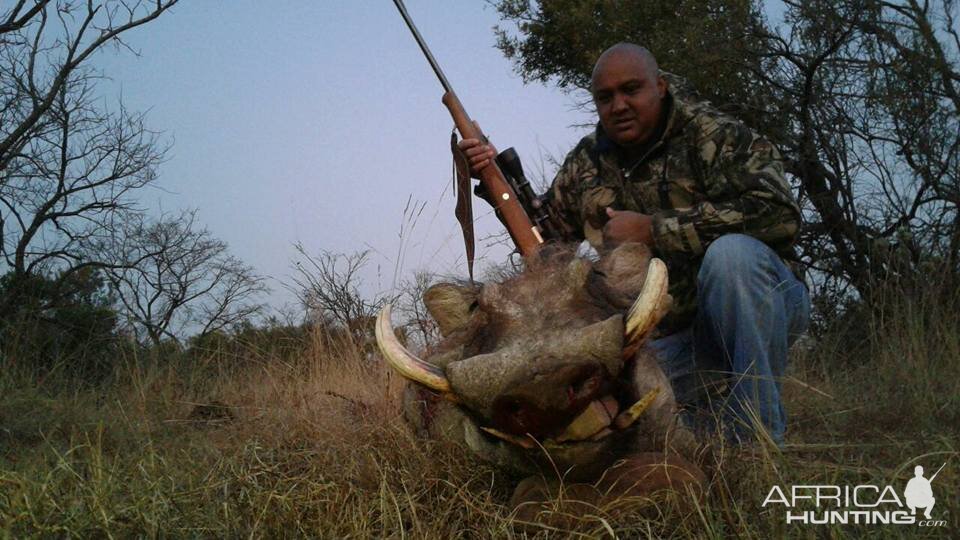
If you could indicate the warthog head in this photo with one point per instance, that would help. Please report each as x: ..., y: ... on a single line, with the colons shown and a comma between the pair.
x: 546, y: 363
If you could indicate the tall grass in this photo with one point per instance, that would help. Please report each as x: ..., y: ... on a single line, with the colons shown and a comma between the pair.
x: 314, y: 445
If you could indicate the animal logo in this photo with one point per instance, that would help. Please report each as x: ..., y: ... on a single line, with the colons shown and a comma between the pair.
x: 919, y: 493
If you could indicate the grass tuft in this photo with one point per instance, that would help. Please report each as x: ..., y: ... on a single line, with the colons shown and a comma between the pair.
x: 315, y: 446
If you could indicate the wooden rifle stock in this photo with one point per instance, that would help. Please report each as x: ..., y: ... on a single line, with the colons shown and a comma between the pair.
x: 524, y: 233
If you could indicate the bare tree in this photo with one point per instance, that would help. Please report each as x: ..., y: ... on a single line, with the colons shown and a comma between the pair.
x: 45, y: 44
x: 419, y: 324
x: 328, y: 286
x: 185, y: 281
x: 67, y: 169
x: 874, y: 141
x: 920, y: 90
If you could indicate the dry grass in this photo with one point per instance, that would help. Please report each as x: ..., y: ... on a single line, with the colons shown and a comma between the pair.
x: 316, y: 448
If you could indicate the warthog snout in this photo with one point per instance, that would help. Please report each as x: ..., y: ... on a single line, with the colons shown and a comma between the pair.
x: 540, y: 356
x: 546, y: 404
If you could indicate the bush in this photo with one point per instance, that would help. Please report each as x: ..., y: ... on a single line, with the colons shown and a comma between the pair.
x: 66, y: 324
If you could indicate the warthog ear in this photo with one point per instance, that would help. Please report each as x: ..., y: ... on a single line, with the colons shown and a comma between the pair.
x: 577, y: 273
x: 450, y: 305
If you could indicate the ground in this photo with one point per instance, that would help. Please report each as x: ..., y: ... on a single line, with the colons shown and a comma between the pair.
x: 314, y: 446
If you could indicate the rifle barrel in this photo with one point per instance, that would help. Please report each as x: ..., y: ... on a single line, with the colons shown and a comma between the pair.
x: 423, y: 45
x: 938, y: 472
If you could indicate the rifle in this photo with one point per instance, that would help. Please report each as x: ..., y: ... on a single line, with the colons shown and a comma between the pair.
x: 501, y: 195
x: 938, y: 472
x: 509, y: 163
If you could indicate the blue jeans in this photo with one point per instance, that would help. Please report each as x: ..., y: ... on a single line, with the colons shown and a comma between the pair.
x: 750, y: 309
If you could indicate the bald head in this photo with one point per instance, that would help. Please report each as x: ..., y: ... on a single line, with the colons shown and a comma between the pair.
x: 628, y: 92
x: 624, y: 52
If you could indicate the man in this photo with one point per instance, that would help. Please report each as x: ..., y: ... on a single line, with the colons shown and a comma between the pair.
x: 708, y: 196
x: 918, y: 492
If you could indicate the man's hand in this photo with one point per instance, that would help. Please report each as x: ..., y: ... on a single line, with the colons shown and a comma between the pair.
x: 625, y: 226
x: 479, y: 154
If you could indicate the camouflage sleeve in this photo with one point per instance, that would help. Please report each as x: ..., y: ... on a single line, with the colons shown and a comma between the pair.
x: 563, y: 196
x: 746, y: 193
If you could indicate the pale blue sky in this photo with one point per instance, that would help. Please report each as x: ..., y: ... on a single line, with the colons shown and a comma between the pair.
x: 315, y: 122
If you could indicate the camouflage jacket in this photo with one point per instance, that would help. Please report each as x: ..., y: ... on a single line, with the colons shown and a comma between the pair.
x: 708, y: 175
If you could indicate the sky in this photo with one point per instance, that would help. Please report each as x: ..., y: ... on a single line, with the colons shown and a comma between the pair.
x: 321, y: 123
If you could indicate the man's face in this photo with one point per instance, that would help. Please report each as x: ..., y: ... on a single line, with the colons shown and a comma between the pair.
x: 629, y: 98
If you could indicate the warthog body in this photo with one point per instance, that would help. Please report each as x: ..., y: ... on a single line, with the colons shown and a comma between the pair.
x: 546, y: 372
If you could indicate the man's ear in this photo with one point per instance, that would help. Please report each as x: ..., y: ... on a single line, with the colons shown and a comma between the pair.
x: 661, y: 86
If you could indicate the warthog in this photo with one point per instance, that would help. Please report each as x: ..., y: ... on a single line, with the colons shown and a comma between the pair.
x: 546, y: 372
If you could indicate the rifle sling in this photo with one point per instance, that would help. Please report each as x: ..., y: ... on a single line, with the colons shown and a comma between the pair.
x: 464, y: 209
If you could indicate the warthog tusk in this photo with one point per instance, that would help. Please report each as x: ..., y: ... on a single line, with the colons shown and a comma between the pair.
x: 522, y: 442
x: 593, y: 419
x: 629, y: 416
x: 605, y: 432
x: 403, y: 360
x: 643, y: 314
